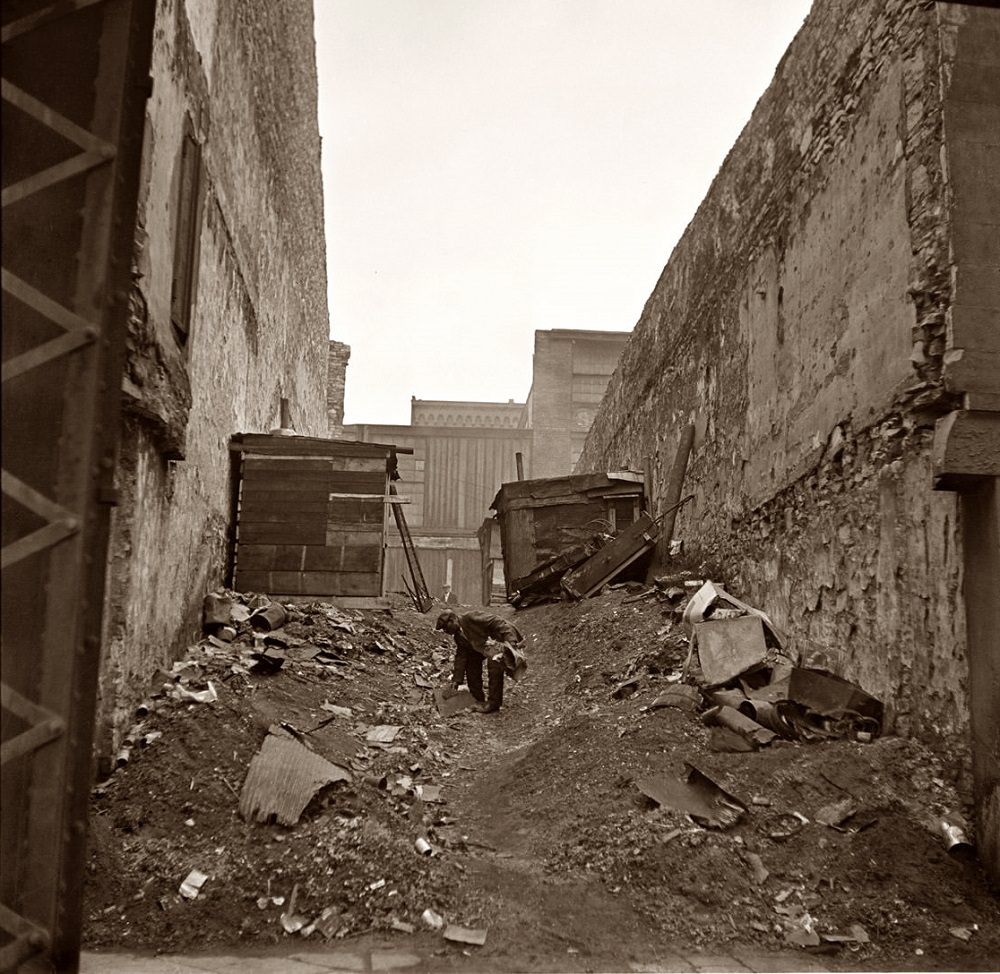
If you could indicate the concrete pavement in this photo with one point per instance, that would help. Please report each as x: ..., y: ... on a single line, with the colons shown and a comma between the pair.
x: 389, y: 959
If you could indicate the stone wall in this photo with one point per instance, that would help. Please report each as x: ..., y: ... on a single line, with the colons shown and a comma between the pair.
x: 800, y: 325
x: 239, y: 76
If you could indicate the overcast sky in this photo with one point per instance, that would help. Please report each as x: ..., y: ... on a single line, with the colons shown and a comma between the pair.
x: 493, y: 167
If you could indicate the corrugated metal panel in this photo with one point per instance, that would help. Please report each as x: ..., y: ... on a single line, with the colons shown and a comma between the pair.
x: 462, y: 475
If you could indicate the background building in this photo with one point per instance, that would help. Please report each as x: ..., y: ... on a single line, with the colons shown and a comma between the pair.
x: 570, y: 371
x: 464, y: 451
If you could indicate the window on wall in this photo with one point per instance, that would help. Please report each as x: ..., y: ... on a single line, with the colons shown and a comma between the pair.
x: 186, y: 234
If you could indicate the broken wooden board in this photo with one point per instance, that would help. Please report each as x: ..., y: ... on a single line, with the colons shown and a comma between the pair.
x: 449, y: 706
x: 729, y: 647
x: 282, y: 778
x: 637, y: 539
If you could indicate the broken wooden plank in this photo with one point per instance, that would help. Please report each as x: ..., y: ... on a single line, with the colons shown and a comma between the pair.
x: 613, y: 558
x: 283, y: 777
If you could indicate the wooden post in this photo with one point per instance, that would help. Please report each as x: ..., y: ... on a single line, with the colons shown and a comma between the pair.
x: 519, y: 460
x: 648, y: 486
x: 672, y: 494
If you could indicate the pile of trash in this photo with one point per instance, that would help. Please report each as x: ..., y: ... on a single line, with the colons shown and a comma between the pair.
x: 756, y: 689
x: 299, y: 774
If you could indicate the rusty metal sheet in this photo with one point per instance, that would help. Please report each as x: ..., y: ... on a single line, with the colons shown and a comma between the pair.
x: 696, y: 795
x: 283, y: 777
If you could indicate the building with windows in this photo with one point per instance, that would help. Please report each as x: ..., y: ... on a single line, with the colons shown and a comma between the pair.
x: 571, y: 369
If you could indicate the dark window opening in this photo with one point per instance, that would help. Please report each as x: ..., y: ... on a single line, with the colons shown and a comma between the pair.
x: 186, y: 236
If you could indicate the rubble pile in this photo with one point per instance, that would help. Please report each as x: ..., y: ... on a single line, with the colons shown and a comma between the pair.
x: 599, y: 804
x: 362, y: 848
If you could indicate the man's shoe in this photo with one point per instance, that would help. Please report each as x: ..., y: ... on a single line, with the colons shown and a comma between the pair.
x: 487, y: 708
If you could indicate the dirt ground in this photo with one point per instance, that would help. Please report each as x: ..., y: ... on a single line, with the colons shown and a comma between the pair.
x: 540, y: 835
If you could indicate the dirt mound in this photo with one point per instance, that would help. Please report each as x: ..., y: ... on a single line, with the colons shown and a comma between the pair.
x: 539, y: 832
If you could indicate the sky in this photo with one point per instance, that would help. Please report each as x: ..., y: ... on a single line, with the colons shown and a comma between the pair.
x: 493, y: 167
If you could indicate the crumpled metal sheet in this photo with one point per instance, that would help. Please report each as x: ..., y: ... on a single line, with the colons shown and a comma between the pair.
x: 696, y: 795
x: 282, y: 778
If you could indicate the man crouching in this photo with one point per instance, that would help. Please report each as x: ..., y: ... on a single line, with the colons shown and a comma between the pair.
x: 482, y: 635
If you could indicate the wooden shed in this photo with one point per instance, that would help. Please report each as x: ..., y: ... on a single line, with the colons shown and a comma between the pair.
x: 540, y: 519
x: 310, y: 515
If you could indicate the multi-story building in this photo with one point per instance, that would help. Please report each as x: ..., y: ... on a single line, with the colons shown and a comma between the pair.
x: 571, y: 369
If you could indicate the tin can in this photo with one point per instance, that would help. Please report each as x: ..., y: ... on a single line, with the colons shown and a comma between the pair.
x: 955, y: 839
x: 422, y: 846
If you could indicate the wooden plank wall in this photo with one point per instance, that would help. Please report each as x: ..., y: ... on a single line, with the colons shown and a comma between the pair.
x: 295, y: 536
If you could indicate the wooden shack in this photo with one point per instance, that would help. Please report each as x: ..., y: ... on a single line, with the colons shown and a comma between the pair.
x: 310, y: 515
x: 541, y: 519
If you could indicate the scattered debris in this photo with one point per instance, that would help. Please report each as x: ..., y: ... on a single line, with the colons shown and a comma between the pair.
x: 434, y: 920
x: 729, y: 648
x: 208, y: 695
x: 956, y: 838
x: 465, y: 935
x: 271, y: 616
x: 449, y: 704
x: 856, y: 935
x: 681, y: 696
x: 740, y: 723
x: 192, y: 884
x: 383, y: 734
x: 837, y: 813
x: 696, y: 795
x: 760, y: 872
x: 282, y: 778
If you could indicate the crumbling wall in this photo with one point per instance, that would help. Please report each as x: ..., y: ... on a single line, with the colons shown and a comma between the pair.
x: 336, y: 379
x: 239, y: 76
x: 800, y: 326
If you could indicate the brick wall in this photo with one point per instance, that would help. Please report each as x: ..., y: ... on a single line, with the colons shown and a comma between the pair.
x: 800, y: 325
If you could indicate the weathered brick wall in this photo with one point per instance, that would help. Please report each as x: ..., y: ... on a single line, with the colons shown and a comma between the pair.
x: 243, y: 73
x: 800, y: 326
x: 339, y: 355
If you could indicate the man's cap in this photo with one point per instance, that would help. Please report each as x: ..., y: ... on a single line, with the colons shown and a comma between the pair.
x: 445, y: 617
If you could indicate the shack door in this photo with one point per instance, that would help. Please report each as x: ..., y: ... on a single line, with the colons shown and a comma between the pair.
x: 75, y: 80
